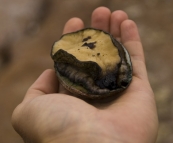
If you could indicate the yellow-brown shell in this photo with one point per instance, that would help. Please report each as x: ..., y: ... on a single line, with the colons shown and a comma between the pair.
x: 91, y: 63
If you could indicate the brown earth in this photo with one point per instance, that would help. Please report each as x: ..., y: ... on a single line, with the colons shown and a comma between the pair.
x: 28, y: 29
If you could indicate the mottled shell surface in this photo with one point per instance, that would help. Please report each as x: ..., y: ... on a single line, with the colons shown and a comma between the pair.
x: 90, y: 63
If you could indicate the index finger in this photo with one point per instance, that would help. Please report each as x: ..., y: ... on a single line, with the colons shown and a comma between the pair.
x: 72, y: 25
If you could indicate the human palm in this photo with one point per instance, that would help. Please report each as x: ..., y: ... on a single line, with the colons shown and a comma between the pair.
x: 49, y: 114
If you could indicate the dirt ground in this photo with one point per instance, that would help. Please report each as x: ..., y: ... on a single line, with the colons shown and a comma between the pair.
x: 28, y: 28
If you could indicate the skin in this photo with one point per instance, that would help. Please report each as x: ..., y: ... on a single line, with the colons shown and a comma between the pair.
x: 48, y: 114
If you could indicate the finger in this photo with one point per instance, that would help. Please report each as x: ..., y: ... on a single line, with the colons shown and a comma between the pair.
x: 130, y: 37
x: 46, y: 83
x: 117, y: 17
x: 72, y: 25
x: 131, y: 40
x: 100, y: 18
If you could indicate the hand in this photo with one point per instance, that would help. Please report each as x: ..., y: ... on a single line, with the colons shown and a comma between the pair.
x: 48, y: 114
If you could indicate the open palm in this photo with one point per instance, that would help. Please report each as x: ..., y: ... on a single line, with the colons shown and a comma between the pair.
x: 49, y: 114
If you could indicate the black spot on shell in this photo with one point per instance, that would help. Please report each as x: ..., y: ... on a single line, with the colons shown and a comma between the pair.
x: 89, y: 45
x: 86, y: 39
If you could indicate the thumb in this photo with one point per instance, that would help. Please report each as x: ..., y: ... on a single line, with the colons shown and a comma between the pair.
x: 46, y: 83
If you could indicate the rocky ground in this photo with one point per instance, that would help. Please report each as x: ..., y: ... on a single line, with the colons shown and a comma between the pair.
x: 28, y: 29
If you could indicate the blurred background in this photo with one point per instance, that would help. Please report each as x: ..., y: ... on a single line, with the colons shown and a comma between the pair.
x: 28, y: 29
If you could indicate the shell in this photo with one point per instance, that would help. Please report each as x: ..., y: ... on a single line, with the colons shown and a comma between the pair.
x: 91, y: 64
